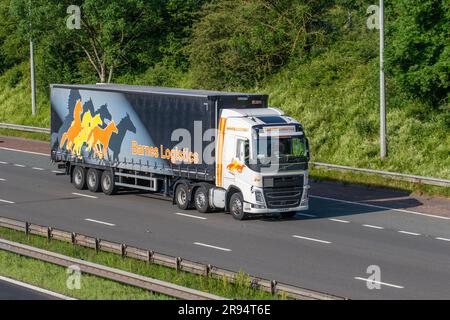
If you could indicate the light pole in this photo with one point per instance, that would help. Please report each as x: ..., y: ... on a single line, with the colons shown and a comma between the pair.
x: 33, y: 83
x: 383, y: 148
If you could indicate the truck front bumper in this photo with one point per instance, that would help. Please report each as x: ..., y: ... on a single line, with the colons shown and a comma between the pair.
x: 251, y: 209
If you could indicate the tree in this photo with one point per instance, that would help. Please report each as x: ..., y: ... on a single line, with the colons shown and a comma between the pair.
x: 240, y: 42
x: 418, y: 50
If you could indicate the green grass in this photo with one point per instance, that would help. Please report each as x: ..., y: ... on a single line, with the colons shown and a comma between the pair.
x: 26, y: 135
x: 54, y: 279
x: 319, y: 174
x: 334, y: 94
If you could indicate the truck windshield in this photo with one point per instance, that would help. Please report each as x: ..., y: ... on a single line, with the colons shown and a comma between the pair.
x: 284, y: 149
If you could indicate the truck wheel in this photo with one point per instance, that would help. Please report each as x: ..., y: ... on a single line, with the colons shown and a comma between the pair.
x: 93, y: 177
x: 107, y: 183
x: 237, y: 207
x: 290, y: 214
x: 79, y: 177
x: 181, y: 197
x: 201, y: 200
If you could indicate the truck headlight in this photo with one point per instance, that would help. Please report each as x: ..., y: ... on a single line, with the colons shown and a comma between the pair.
x: 259, y: 196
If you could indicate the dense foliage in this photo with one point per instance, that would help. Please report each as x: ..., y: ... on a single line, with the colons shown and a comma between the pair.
x: 316, y: 58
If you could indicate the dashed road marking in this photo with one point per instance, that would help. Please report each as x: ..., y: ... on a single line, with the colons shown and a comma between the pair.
x: 84, y: 195
x: 372, y: 226
x: 1, y: 179
x: 381, y: 283
x: 409, y: 233
x: 38, y: 169
x: 339, y: 220
x: 190, y: 216
x: 7, y: 201
x: 101, y: 222
x: 3, y: 162
x: 442, y: 239
x: 311, y: 239
x: 18, y: 165
x: 210, y: 246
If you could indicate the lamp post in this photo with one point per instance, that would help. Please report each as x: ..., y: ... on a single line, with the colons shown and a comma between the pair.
x: 33, y: 82
x: 383, y: 148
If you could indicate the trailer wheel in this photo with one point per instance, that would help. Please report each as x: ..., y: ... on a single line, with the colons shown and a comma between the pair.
x: 201, y: 200
x: 182, y: 197
x: 93, y: 177
x: 237, y: 207
x: 107, y: 183
x: 79, y: 177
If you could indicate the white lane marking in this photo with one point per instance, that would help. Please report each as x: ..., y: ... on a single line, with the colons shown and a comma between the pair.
x: 34, y: 288
x: 307, y: 215
x: 101, y: 222
x: 382, y: 207
x: 56, y: 171
x: 189, y: 216
x: 19, y: 165
x: 23, y: 151
x: 3, y: 162
x: 1, y: 179
x: 6, y: 201
x: 372, y: 226
x: 210, y: 246
x: 410, y: 233
x: 38, y: 169
x: 84, y: 195
x: 339, y: 220
x: 311, y: 239
x: 443, y: 239
x: 381, y: 283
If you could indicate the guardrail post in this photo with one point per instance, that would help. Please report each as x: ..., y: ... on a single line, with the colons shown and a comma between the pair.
x: 208, y: 269
x: 150, y: 254
x: 178, y: 263
x: 73, y: 238
x: 27, y: 229
x: 123, y: 249
x: 273, y: 287
x: 49, y: 233
x: 97, y: 245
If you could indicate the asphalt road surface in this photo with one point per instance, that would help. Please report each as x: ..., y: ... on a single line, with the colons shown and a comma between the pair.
x: 328, y: 248
x: 9, y: 291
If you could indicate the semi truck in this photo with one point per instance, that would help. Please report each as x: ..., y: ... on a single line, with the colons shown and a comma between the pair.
x: 208, y: 150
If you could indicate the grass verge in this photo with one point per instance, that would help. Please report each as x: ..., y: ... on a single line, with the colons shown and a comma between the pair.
x: 378, y: 182
x: 24, y: 134
x: 54, y: 277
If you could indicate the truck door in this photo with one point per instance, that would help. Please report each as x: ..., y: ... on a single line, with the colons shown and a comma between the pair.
x: 229, y: 154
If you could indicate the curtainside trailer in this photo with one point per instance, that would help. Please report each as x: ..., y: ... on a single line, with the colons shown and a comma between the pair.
x: 204, y: 149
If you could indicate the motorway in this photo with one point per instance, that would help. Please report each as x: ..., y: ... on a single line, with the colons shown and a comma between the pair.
x: 12, y: 290
x: 327, y: 248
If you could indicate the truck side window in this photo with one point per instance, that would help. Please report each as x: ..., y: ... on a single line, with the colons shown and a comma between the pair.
x: 242, y: 150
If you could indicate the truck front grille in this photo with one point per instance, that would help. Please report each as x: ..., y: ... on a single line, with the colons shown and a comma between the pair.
x: 278, y: 198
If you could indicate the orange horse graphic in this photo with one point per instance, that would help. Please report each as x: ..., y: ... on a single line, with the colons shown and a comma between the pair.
x: 235, y: 166
x: 100, y: 137
x: 75, y: 127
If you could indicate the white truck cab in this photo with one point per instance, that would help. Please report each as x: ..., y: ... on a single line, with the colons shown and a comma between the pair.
x: 261, y: 163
